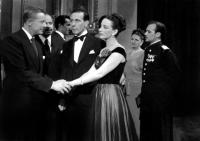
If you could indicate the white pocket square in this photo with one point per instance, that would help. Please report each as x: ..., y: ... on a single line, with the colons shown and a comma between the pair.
x: 91, y: 52
x: 61, y: 51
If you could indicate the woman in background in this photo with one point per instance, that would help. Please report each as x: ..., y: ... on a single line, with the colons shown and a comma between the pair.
x: 110, y: 116
x: 133, y: 74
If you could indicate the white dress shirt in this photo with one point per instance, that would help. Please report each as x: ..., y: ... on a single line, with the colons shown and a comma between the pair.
x: 49, y: 40
x: 78, y: 46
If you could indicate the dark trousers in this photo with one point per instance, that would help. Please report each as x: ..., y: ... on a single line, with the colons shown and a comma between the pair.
x: 155, y: 126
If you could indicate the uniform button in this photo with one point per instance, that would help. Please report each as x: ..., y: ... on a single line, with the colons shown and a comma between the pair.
x: 150, y: 50
x: 144, y: 68
x: 144, y: 73
x: 145, y: 64
x: 144, y: 81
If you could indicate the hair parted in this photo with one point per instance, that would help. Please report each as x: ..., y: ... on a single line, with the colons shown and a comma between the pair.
x: 118, y: 21
x: 30, y: 12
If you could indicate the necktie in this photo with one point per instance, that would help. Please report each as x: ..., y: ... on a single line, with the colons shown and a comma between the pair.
x: 79, y: 37
x: 46, y: 47
x: 46, y: 53
x: 34, y: 46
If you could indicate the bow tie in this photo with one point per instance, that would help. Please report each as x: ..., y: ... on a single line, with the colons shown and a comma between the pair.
x: 79, y: 37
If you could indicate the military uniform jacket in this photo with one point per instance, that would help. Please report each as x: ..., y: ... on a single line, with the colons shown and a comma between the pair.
x: 159, y: 77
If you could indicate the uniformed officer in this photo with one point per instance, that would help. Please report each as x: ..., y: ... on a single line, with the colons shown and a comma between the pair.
x: 159, y: 77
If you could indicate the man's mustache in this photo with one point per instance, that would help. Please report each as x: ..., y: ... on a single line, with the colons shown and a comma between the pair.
x: 47, y: 29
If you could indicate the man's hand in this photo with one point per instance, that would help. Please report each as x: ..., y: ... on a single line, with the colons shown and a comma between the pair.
x: 61, y: 86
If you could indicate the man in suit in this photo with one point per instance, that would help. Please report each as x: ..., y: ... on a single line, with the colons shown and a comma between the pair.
x: 52, y: 43
x: 62, y: 26
x: 25, y: 88
x: 78, y: 56
x: 159, y: 79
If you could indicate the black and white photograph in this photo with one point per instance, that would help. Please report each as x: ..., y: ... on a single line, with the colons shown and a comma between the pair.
x: 99, y: 70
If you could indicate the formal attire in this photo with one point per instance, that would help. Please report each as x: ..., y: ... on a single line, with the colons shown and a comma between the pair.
x: 159, y: 77
x: 52, y: 49
x: 77, y: 58
x: 133, y: 74
x: 24, y: 92
x: 110, y: 116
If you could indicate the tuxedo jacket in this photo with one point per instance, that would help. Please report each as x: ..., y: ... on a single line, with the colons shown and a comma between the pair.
x: 160, y: 76
x: 25, y: 88
x: 71, y: 70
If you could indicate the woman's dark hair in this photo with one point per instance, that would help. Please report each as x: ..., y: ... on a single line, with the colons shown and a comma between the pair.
x: 118, y: 22
x: 139, y: 32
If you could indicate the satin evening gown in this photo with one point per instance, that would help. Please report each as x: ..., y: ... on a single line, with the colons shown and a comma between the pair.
x: 110, y: 117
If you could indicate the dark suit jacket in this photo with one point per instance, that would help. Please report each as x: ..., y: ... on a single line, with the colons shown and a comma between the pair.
x: 57, y: 42
x: 159, y: 78
x: 76, y: 115
x: 53, y: 57
x: 24, y: 86
x: 71, y: 70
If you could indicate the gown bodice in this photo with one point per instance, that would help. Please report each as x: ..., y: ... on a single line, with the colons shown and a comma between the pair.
x: 114, y: 76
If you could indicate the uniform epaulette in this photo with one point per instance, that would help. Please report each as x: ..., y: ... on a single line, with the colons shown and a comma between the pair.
x: 164, y: 47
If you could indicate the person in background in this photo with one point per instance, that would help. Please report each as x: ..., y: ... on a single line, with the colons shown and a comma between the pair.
x: 133, y: 74
x: 62, y: 26
x: 160, y: 75
x: 110, y: 116
x: 51, y: 44
x: 78, y: 56
x: 25, y: 88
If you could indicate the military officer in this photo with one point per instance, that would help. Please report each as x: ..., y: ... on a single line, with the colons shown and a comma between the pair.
x: 159, y: 77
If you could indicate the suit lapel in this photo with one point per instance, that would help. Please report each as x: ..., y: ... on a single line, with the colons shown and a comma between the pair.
x: 56, y: 42
x: 29, y: 48
x: 68, y: 53
x: 85, y: 49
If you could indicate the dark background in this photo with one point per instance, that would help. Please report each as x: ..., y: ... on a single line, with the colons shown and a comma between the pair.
x: 182, y: 18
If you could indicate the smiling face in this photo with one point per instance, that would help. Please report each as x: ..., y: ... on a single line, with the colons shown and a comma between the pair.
x: 78, y: 25
x: 106, y: 30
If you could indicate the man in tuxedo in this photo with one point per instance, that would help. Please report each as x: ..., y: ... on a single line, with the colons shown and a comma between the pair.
x: 159, y: 80
x: 78, y: 56
x: 25, y: 88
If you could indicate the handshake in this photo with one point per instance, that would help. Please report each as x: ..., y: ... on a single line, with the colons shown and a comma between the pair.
x: 61, y: 86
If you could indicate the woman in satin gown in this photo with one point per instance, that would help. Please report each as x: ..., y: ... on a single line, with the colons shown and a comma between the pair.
x: 133, y: 74
x: 110, y: 116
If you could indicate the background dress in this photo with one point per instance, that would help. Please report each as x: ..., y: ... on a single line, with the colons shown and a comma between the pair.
x: 133, y: 73
x: 111, y: 119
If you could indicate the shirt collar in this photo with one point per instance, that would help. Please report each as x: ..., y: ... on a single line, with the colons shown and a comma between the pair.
x: 27, y: 33
x: 155, y: 42
x: 43, y: 38
x: 83, y: 33
x: 61, y: 34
